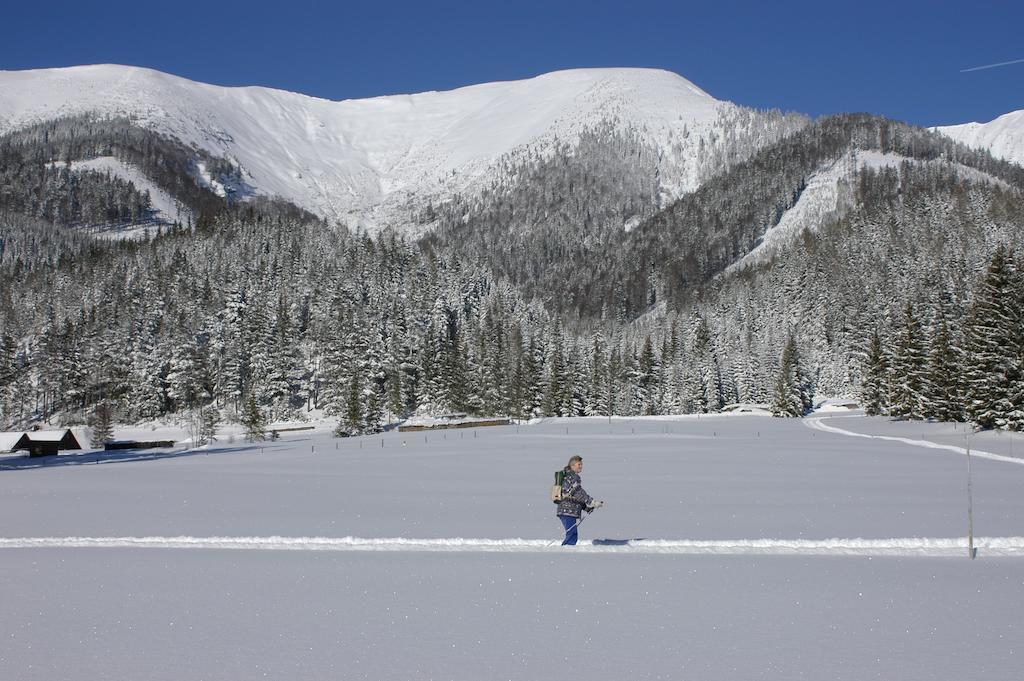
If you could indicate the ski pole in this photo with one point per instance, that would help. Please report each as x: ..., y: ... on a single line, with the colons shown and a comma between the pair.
x: 574, y: 526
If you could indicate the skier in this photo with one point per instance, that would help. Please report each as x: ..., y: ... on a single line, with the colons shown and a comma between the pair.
x: 574, y: 501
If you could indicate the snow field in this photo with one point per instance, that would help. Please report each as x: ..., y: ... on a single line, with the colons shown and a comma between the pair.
x: 167, y: 615
x: 733, y: 477
x: 390, y: 557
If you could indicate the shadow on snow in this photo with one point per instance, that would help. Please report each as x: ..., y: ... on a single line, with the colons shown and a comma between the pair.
x: 124, y: 455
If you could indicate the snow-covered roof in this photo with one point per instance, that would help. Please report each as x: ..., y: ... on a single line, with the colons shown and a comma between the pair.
x: 47, y: 435
x: 9, y: 440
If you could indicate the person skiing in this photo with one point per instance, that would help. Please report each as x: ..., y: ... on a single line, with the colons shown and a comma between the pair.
x: 574, y: 500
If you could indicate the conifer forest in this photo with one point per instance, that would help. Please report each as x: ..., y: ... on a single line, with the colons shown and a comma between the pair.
x: 528, y: 299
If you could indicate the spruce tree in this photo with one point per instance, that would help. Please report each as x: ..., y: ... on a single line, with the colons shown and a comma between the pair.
x: 792, y: 394
x: 944, y: 401
x: 598, y: 368
x: 909, y: 367
x: 8, y: 371
x: 647, y: 379
x: 992, y: 357
x: 101, y: 420
x: 875, y: 386
x: 254, y: 421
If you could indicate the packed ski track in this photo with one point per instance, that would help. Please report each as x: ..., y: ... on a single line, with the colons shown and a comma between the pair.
x: 730, y: 547
x: 818, y: 423
x: 912, y: 546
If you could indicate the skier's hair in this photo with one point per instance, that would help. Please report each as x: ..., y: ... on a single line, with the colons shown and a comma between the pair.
x: 574, y: 459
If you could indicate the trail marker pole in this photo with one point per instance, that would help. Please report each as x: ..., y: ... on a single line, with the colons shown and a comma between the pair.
x: 970, y: 504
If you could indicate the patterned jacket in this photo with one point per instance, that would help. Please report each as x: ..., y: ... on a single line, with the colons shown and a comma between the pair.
x: 574, y: 497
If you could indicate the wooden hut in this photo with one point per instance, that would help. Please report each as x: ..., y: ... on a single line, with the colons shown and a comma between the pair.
x: 49, y: 442
x: 14, y: 441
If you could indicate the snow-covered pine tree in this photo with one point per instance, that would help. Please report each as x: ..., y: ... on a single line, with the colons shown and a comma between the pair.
x: 147, y: 394
x: 285, y: 373
x: 598, y: 368
x: 369, y: 353
x: 101, y: 421
x: 991, y: 354
x: 944, y: 393
x: 202, y: 422
x: 611, y: 400
x: 254, y: 420
x: 352, y: 417
x: 235, y: 365
x: 647, y: 380
x: 791, y: 390
x: 909, y: 367
x: 8, y: 371
x: 875, y: 387
x: 556, y: 374
x: 454, y: 372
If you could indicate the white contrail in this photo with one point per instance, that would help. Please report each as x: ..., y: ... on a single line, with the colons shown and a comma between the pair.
x: 909, y: 546
x: 991, y: 66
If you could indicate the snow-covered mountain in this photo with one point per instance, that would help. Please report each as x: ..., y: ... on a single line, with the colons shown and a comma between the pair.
x: 1004, y: 136
x: 368, y: 161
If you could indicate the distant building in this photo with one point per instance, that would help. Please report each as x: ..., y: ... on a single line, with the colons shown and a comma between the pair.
x: 49, y: 442
x: 12, y: 442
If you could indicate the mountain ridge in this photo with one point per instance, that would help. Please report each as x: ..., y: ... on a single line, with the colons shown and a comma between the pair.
x: 361, y: 160
x: 1003, y: 136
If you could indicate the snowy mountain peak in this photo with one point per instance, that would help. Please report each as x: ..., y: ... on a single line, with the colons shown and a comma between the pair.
x: 1004, y: 136
x: 363, y: 160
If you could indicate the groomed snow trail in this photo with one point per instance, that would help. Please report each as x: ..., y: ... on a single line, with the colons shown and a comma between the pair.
x: 816, y: 424
x: 911, y: 546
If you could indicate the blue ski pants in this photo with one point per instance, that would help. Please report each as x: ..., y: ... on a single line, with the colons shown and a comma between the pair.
x: 569, y: 523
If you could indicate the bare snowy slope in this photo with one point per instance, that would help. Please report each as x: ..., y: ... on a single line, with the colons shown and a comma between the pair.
x: 1004, y: 136
x: 366, y: 161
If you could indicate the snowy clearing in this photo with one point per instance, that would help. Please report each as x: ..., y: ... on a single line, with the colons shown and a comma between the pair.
x: 829, y: 195
x: 162, y: 204
x: 731, y: 547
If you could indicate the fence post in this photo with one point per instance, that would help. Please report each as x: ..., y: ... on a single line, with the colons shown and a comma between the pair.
x: 970, y: 504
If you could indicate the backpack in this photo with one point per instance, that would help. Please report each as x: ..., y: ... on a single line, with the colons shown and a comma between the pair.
x: 556, y: 489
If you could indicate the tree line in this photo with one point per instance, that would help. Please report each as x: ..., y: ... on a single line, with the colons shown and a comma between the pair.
x: 259, y: 310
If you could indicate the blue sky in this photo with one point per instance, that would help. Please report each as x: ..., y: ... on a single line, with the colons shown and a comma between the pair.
x: 899, y: 59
